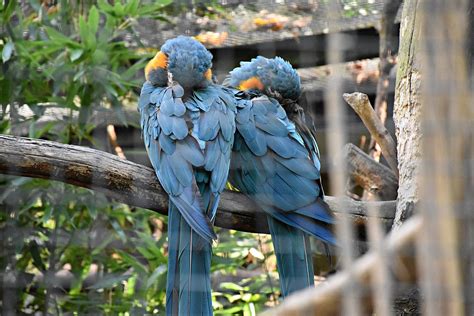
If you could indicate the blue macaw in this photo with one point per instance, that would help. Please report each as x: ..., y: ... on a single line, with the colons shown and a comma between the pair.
x: 275, y: 161
x: 188, y: 126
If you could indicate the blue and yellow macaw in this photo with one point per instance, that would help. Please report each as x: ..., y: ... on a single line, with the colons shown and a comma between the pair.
x: 188, y: 126
x: 275, y: 161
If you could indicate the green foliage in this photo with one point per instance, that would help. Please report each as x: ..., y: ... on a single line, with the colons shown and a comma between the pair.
x: 239, y: 252
x: 75, y: 61
x: 67, y: 250
x: 48, y: 226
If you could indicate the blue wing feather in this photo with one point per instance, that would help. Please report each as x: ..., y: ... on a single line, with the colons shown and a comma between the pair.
x: 275, y: 169
x: 283, y: 177
x: 174, y: 153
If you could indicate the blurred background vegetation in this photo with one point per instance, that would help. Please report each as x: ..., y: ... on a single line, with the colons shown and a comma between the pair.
x: 66, y: 250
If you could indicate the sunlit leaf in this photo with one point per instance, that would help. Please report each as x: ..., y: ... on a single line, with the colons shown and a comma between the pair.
x: 76, y: 54
x: 7, y: 51
x: 231, y: 286
x: 93, y: 20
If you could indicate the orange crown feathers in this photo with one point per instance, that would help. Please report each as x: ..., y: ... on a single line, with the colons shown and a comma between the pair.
x: 159, y: 61
x: 208, y: 74
x: 251, y: 83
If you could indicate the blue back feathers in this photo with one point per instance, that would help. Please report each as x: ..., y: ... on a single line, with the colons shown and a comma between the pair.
x: 276, y: 75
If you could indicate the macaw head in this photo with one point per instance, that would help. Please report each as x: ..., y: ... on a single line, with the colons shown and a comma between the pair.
x: 186, y: 59
x: 275, y: 77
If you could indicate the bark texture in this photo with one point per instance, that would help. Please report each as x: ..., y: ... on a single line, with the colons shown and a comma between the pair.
x: 136, y: 185
x: 407, y: 112
x: 361, y: 105
x: 371, y: 175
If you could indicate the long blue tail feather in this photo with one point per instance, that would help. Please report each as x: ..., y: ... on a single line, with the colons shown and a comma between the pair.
x: 293, y: 252
x: 189, y: 261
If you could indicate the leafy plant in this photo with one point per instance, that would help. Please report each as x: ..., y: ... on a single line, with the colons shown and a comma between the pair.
x: 76, y: 61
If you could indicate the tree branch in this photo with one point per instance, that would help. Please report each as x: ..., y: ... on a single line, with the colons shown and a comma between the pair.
x: 135, y: 184
x: 361, y: 105
x: 371, y: 175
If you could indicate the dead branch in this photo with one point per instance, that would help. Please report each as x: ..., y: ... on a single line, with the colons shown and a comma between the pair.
x: 112, y: 135
x: 361, y: 105
x: 372, y: 176
x: 326, y: 299
x: 388, y: 38
x: 135, y: 184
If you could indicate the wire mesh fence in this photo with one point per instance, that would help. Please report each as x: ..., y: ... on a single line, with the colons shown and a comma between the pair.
x: 403, y: 216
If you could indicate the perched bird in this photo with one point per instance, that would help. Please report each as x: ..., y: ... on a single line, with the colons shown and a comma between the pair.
x: 188, y: 126
x: 275, y: 161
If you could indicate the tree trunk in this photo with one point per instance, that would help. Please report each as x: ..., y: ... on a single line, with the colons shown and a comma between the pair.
x: 407, y: 112
x: 407, y: 117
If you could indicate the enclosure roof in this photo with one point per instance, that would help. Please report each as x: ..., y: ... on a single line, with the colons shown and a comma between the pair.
x: 232, y: 24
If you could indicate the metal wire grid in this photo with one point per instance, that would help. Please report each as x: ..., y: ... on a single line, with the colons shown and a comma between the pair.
x: 349, y: 17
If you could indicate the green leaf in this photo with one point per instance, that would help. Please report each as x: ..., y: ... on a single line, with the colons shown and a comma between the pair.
x: 151, y: 10
x: 154, y: 276
x: 98, y: 249
x: 83, y: 30
x: 4, y: 126
x: 132, y: 261
x: 109, y: 281
x: 58, y: 37
x: 35, y: 254
x: 163, y: 2
x: 8, y: 10
x: 231, y: 286
x: 132, y: 7
x: 78, y: 75
x: 48, y: 212
x: 76, y: 54
x: 115, y: 224
x: 7, y: 51
x: 119, y: 9
x: 93, y: 20
x: 45, y: 129
x: 111, y: 90
x: 104, y: 6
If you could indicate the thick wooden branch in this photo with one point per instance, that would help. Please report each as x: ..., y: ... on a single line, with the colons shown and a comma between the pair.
x: 371, y: 175
x: 135, y: 184
x: 361, y: 105
x: 327, y: 298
